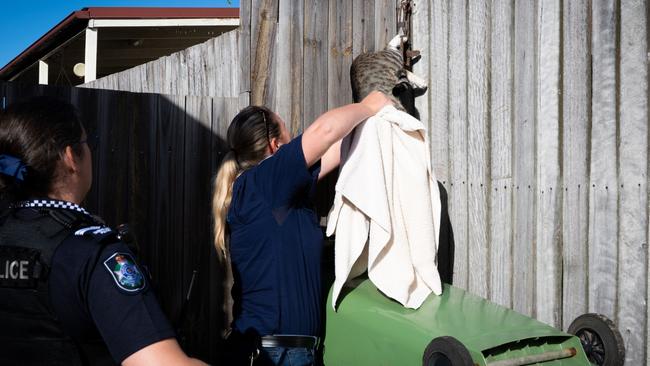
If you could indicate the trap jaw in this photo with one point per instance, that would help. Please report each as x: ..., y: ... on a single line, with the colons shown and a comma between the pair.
x: 404, y: 26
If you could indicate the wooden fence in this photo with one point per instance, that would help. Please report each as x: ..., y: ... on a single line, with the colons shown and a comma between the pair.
x: 207, y: 69
x: 539, y: 121
x: 313, y: 45
x: 153, y: 169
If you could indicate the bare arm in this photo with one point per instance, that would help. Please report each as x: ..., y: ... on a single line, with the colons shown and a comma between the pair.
x: 330, y: 160
x: 166, y: 352
x: 335, y: 124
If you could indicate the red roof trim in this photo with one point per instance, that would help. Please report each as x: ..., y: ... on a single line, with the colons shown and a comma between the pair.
x: 77, y: 20
x: 162, y: 13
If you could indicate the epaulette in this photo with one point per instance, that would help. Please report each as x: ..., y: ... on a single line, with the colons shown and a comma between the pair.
x: 68, y: 219
x: 100, y: 234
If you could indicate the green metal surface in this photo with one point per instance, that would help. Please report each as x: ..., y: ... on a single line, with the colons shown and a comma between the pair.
x: 371, y: 329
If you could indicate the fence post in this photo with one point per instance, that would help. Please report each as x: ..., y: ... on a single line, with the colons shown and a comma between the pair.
x: 260, y: 75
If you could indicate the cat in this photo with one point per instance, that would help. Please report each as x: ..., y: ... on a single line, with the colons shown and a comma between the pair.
x: 384, y: 71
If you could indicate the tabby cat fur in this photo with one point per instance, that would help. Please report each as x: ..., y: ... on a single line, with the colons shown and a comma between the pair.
x: 384, y: 71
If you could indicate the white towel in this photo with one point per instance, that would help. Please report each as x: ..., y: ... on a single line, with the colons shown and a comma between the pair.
x: 386, y: 212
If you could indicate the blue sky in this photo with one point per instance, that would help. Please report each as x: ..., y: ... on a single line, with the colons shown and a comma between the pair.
x: 24, y: 21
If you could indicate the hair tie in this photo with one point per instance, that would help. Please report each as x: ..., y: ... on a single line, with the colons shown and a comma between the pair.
x: 234, y: 153
x: 13, y: 167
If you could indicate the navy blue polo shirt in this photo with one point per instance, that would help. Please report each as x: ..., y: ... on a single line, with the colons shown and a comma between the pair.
x: 276, y: 244
x: 91, y: 300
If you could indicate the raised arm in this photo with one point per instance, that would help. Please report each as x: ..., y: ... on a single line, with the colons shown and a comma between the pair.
x: 331, y: 127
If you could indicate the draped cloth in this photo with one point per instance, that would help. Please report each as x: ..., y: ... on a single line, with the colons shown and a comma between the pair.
x: 386, y: 212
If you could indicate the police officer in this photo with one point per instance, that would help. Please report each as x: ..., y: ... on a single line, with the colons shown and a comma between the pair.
x: 71, y: 293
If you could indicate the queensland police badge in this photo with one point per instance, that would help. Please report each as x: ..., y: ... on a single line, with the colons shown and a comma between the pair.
x: 125, y: 272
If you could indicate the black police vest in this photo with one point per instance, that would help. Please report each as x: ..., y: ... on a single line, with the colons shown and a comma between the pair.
x: 30, y: 333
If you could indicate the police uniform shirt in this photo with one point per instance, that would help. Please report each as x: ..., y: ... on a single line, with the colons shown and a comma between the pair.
x: 99, y: 288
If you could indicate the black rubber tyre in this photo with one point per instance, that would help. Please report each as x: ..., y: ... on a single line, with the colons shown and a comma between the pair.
x: 446, y: 351
x: 601, y: 340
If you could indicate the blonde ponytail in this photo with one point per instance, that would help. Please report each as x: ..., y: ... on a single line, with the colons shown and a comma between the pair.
x: 221, y: 199
x: 248, y: 138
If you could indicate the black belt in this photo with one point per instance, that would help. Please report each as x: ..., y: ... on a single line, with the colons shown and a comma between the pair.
x: 290, y: 341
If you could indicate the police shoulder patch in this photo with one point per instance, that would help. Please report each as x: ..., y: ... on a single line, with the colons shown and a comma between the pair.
x: 87, y: 230
x: 98, y: 234
x: 125, y: 272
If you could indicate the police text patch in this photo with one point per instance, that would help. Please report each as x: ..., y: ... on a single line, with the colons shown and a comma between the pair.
x: 125, y: 272
x: 17, y: 267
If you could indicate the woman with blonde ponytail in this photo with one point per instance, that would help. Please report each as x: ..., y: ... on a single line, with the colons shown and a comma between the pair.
x: 266, y: 225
